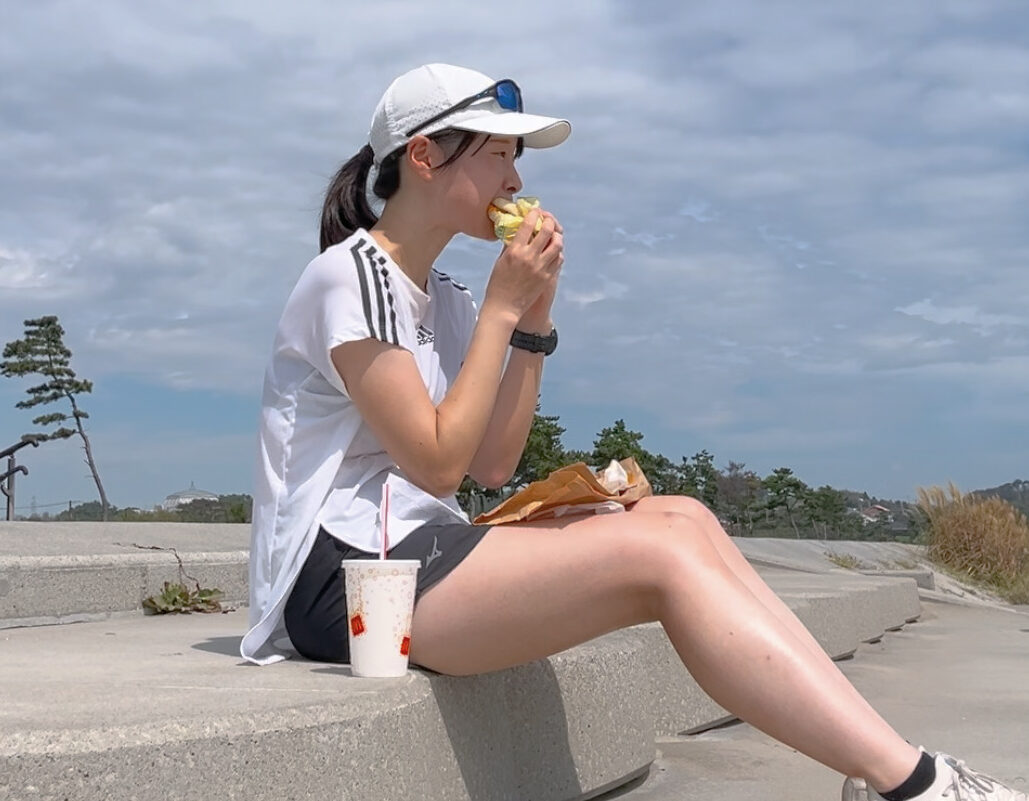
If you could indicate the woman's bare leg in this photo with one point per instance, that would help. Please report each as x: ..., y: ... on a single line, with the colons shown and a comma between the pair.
x: 709, y: 525
x: 531, y: 590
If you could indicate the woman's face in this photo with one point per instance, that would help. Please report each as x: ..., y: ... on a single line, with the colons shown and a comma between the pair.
x: 485, y: 171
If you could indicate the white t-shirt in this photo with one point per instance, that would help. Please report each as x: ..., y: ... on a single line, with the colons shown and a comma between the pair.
x: 318, y: 462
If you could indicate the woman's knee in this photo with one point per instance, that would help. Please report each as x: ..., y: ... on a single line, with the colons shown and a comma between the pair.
x: 707, y: 522
x: 680, y: 504
x: 674, y: 545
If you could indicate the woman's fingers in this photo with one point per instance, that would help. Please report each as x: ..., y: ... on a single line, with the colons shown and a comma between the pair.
x: 529, y: 263
x: 524, y: 232
x: 557, y: 226
x: 545, y: 234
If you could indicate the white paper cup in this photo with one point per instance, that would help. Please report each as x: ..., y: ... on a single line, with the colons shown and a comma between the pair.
x: 380, y: 605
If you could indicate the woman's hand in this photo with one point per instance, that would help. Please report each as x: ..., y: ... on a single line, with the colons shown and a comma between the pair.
x: 524, y: 278
x: 537, y: 318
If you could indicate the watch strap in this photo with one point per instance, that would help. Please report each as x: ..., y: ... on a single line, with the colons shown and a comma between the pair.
x: 535, y: 343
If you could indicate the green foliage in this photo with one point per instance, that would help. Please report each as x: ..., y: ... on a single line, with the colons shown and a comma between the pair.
x: 543, y: 451
x: 42, y: 352
x: 619, y: 442
x: 1014, y: 492
x: 786, y: 492
x: 826, y: 510
x: 227, y: 509
x: 846, y: 560
x: 779, y: 505
x: 178, y: 598
x: 699, y: 478
x: 740, y: 494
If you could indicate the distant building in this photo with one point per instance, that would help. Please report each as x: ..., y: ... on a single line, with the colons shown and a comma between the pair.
x: 177, y: 499
x: 875, y: 513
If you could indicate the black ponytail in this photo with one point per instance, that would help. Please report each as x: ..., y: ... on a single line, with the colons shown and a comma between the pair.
x: 346, y: 206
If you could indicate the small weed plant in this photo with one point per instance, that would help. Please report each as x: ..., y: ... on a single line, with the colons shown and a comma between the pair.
x: 177, y: 596
x: 845, y: 560
x: 984, y: 540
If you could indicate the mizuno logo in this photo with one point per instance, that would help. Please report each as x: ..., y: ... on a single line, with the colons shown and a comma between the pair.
x: 435, y: 553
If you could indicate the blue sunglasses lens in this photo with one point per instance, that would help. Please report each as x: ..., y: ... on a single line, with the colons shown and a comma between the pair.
x: 508, y: 96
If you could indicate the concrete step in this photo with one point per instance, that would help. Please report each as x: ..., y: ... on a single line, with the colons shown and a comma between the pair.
x: 953, y: 682
x: 140, y: 707
x: 53, y: 573
x: 73, y: 572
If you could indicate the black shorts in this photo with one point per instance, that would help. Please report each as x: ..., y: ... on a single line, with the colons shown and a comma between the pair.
x: 316, y: 610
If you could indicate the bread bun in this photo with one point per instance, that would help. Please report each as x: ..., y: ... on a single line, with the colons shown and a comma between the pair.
x: 507, y: 216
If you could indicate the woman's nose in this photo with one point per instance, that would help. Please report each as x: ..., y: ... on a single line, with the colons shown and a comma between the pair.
x: 514, y: 181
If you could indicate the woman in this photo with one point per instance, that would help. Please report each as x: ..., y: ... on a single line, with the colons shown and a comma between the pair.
x: 384, y: 372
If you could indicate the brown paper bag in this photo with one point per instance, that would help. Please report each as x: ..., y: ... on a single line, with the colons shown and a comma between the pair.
x: 574, y: 485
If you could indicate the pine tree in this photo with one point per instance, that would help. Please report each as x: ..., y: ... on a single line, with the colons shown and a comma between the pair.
x: 42, y: 352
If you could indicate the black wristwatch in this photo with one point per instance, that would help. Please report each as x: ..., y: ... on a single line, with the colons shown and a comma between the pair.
x: 534, y: 343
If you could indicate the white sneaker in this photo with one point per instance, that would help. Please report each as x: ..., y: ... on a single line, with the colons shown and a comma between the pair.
x: 954, y: 780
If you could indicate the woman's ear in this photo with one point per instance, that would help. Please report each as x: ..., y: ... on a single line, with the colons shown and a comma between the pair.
x: 423, y: 155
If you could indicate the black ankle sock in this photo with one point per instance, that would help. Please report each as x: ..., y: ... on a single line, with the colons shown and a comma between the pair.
x: 918, y: 782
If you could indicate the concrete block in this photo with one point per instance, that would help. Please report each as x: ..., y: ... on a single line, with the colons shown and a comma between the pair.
x: 675, y: 700
x: 161, y: 707
x: 50, y: 589
x: 40, y: 590
x: 829, y: 617
x: 925, y: 579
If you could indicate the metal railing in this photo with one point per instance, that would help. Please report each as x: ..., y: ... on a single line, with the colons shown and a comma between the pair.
x: 7, y: 478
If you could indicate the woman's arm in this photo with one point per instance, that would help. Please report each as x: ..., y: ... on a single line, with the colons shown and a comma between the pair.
x: 508, y: 428
x: 435, y: 445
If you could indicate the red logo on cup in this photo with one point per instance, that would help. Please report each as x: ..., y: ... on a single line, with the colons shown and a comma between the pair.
x: 357, y: 625
x: 405, y: 646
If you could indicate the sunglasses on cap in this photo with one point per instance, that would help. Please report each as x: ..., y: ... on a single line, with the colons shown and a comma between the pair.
x: 505, y: 92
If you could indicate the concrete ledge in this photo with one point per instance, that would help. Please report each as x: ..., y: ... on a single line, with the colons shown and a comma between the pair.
x: 158, y: 707
x: 163, y: 703
x: 924, y: 578
x: 64, y: 572
x: 38, y: 590
x: 133, y: 707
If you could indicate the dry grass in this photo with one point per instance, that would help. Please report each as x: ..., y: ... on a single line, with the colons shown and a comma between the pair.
x: 845, y: 560
x: 985, y: 540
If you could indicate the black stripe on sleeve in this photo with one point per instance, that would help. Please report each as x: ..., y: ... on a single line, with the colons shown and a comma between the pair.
x: 444, y: 277
x: 361, y: 267
x: 370, y: 253
x: 389, y: 298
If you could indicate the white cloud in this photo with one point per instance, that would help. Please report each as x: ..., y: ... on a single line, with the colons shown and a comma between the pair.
x: 699, y: 210
x: 644, y: 238
x: 168, y: 162
x: 962, y: 315
x: 608, y: 290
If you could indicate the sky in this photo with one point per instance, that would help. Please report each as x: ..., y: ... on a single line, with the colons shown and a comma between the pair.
x: 795, y: 232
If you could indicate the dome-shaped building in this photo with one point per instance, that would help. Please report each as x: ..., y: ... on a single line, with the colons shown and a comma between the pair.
x: 183, y: 497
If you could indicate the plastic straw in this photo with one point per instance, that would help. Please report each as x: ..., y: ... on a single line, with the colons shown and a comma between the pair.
x: 384, y: 519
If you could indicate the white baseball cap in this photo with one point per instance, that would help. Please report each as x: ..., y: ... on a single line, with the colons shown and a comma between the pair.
x: 431, y: 90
